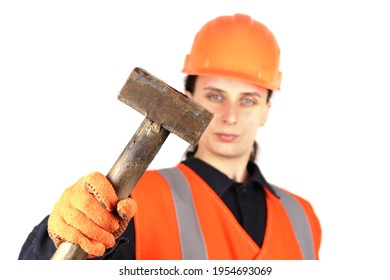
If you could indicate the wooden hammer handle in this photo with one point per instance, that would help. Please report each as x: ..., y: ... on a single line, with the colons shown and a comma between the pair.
x: 125, y: 173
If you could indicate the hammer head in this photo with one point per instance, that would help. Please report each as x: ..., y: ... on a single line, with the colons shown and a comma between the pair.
x: 165, y: 106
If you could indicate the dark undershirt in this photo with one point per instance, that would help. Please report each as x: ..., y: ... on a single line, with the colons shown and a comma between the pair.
x: 245, y: 200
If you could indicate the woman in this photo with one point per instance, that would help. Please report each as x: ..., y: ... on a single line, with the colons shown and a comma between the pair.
x: 215, y: 204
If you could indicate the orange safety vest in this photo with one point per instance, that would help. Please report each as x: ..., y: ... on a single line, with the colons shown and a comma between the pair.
x: 180, y: 217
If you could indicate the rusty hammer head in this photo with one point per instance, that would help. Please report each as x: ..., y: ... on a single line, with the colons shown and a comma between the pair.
x: 165, y: 106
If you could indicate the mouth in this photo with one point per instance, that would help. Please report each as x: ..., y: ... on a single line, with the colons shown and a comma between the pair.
x: 226, y: 137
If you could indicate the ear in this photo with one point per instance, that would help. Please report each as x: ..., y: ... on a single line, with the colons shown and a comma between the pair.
x: 264, y: 116
x: 188, y: 94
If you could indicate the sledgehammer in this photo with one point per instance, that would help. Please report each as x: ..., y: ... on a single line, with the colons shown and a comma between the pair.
x: 167, y: 111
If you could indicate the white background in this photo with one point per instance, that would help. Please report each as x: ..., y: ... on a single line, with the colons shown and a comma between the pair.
x: 62, y: 64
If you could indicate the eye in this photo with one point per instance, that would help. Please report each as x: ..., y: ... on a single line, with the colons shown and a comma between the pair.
x: 217, y: 97
x: 247, y: 101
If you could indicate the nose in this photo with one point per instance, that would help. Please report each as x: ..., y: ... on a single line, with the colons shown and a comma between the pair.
x: 229, y: 114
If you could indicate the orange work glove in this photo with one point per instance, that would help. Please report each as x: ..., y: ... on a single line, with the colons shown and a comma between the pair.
x: 85, y: 215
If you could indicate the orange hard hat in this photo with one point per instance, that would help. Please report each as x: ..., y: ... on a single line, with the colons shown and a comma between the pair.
x: 238, y: 47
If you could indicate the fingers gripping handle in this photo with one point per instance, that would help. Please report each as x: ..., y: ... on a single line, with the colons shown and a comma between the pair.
x: 125, y: 173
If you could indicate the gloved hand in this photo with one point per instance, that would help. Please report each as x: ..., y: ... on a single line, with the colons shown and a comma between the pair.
x: 85, y: 215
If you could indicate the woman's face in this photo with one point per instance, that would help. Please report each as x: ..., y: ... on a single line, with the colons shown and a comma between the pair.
x: 239, y: 108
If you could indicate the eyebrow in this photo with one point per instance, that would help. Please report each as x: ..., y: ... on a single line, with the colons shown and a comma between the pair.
x: 252, y: 93
x: 249, y: 93
x: 213, y: 89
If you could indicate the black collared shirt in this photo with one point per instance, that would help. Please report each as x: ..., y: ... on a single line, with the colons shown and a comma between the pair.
x: 245, y: 200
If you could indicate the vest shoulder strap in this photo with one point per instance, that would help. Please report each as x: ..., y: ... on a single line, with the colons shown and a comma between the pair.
x: 299, y: 222
x: 193, y: 245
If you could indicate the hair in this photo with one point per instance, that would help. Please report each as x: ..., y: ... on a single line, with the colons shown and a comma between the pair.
x: 189, y: 85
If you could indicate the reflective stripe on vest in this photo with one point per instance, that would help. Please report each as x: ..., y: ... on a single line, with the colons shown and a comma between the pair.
x: 299, y: 222
x: 193, y: 246
x: 192, y: 241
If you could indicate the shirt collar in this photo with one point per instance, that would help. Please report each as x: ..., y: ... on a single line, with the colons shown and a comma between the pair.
x: 219, y: 182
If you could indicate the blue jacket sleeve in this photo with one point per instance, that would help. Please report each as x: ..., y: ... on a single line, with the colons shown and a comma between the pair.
x: 39, y: 246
